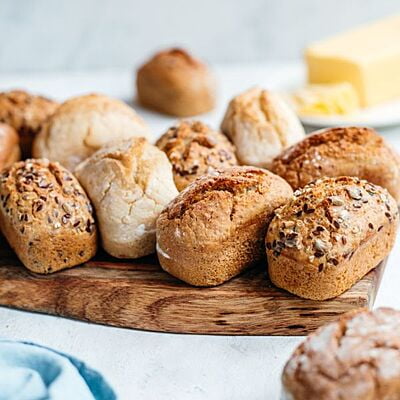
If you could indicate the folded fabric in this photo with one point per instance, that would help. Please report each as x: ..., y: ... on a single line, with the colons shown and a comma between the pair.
x: 32, y: 372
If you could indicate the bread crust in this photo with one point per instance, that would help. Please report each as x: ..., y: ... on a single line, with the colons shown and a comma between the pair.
x: 355, y: 358
x: 174, y: 82
x: 329, y: 236
x: 9, y: 146
x: 82, y: 125
x: 349, y: 151
x: 26, y: 113
x: 194, y: 149
x: 261, y: 125
x: 214, y: 229
x: 129, y: 183
x: 46, y: 216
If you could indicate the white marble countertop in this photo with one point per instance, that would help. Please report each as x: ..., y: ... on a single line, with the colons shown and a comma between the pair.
x: 150, y: 366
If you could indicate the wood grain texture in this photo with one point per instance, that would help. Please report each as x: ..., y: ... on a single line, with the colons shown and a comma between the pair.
x: 140, y: 295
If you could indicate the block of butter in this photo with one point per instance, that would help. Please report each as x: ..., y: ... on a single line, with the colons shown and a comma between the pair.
x: 367, y: 57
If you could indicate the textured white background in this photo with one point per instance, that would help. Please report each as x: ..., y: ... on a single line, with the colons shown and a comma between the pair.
x: 82, y: 34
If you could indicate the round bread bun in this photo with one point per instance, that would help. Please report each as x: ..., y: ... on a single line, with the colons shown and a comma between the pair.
x: 129, y: 183
x: 26, y: 113
x: 348, y: 151
x: 194, y: 149
x: 9, y: 146
x: 82, y: 125
x: 174, y: 82
x: 260, y: 125
x: 356, y: 357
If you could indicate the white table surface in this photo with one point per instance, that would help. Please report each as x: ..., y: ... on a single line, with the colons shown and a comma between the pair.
x: 149, y: 366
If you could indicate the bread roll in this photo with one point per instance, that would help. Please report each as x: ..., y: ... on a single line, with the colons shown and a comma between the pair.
x: 260, y: 125
x: 352, y: 151
x: 82, y: 125
x: 333, y: 232
x: 355, y: 358
x: 174, y: 82
x: 9, y: 146
x: 194, y: 149
x: 26, y: 113
x: 215, y: 228
x: 129, y: 183
x: 46, y: 216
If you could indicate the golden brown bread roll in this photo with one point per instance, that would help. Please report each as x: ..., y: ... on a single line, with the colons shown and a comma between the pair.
x: 46, y: 216
x: 194, y: 149
x: 333, y: 232
x: 355, y: 358
x: 215, y: 228
x: 174, y: 82
x: 82, y: 125
x: 350, y: 151
x: 26, y: 113
x: 9, y: 146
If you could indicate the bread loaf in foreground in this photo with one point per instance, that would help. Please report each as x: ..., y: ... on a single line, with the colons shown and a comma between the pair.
x: 215, y: 228
x: 82, y: 125
x: 129, y: 183
x: 350, y: 151
x: 46, y: 216
x: 194, y: 149
x: 333, y: 232
x: 354, y: 358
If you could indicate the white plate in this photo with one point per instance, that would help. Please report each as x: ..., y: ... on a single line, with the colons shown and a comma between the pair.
x: 382, y: 116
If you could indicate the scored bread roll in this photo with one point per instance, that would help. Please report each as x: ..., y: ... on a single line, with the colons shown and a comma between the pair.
x: 9, y: 146
x: 129, y: 183
x: 82, y: 125
x: 26, y: 113
x: 174, y: 82
x: 260, y: 125
x: 215, y: 228
x: 194, y: 149
x: 46, y: 216
x: 349, y: 151
x: 356, y: 357
x: 332, y: 233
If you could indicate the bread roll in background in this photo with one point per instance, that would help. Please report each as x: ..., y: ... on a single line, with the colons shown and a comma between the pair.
x: 216, y: 227
x: 9, y: 146
x: 82, y: 125
x: 25, y: 112
x: 260, y: 125
x: 176, y: 83
x: 348, y: 151
x: 332, y: 233
x: 194, y: 149
x: 129, y: 183
x: 356, y: 357
x: 46, y: 216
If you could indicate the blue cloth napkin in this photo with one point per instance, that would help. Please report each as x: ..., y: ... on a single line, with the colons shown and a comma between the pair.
x: 32, y: 372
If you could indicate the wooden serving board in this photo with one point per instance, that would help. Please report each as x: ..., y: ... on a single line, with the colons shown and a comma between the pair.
x: 140, y: 295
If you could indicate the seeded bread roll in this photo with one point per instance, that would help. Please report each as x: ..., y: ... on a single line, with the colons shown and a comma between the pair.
x: 46, y: 216
x: 215, y: 228
x: 333, y: 232
x: 351, y: 151
x: 260, y: 125
x: 174, y: 82
x: 82, y: 125
x: 26, y: 113
x: 129, y: 183
x: 354, y: 358
x: 194, y: 149
x: 9, y: 146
